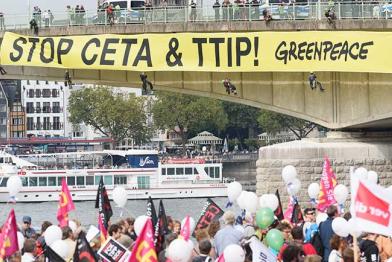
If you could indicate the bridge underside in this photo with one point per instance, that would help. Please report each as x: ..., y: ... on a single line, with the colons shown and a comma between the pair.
x: 350, y: 100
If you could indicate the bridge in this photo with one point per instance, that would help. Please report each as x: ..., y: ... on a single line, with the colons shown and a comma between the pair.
x: 350, y: 100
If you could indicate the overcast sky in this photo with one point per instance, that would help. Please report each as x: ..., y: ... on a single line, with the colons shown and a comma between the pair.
x: 21, y: 6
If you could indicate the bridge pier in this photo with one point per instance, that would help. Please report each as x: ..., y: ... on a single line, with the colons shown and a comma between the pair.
x: 370, y: 150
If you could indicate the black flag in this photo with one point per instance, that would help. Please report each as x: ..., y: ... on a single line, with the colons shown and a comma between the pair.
x: 103, y: 204
x: 161, y: 228
x: 151, y: 212
x: 279, y: 211
x: 211, y: 211
x: 52, y: 256
x: 83, y: 250
x: 297, y: 218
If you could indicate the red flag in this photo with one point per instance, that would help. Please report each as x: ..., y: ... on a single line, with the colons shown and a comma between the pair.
x: 221, y: 258
x: 327, y: 185
x: 186, y: 229
x: 65, y: 204
x: 144, y: 247
x: 103, y: 235
x: 9, y: 237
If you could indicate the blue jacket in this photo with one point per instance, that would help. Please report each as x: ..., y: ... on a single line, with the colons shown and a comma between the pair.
x: 326, y: 233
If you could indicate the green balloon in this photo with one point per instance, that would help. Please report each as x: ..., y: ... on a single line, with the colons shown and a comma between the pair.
x: 275, y: 239
x: 264, y: 217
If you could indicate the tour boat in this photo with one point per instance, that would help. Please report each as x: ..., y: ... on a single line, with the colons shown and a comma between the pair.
x: 140, y: 172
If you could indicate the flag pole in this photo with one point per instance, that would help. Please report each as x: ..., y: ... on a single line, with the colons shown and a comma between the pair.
x: 356, y: 251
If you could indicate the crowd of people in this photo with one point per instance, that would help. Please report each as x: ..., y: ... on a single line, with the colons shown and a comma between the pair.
x: 76, y: 15
x: 305, y: 241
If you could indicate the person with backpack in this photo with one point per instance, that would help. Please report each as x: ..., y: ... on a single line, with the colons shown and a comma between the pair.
x: 205, y: 249
x: 326, y: 232
x: 368, y: 248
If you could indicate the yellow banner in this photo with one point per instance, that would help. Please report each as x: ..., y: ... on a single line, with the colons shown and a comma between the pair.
x: 214, y: 52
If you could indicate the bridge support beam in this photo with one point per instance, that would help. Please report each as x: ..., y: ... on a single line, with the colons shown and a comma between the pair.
x: 345, y: 150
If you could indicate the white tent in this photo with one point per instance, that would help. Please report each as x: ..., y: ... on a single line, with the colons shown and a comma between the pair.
x: 205, y: 138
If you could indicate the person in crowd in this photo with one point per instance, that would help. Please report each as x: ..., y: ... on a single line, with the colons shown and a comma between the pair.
x: 313, y: 258
x: 228, y: 234
x: 29, y: 250
x: 114, y: 231
x: 249, y: 229
x: 46, y: 18
x: 285, y: 228
x: 82, y: 13
x: 293, y: 253
x: 338, y: 245
x: 193, y: 11
x: 126, y: 241
x: 68, y: 238
x: 348, y: 255
x: 37, y: 15
x: 216, y: 8
x: 95, y: 244
x: 34, y: 26
x: 368, y: 248
x: 298, y: 238
x: 267, y: 15
x: 176, y: 227
x: 117, y: 13
x: 131, y: 228
x: 310, y: 215
x: 326, y: 232
x: 169, y: 238
x: 330, y: 15
x: 40, y: 243
x: 384, y: 245
x: 27, y: 230
x: 2, y: 24
x: 205, y: 248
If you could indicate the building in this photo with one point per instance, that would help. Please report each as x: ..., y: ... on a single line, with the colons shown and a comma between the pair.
x: 3, y: 113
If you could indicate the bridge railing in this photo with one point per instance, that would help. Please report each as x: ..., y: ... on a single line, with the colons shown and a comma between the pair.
x: 314, y: 11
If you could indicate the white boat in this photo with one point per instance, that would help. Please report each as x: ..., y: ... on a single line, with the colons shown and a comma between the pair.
x: 139, y: 171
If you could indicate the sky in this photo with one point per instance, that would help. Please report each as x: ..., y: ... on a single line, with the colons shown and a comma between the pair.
x: 21, y: 6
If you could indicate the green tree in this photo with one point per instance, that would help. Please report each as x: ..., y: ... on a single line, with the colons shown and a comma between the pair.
x: 273, y: 122
x: 186, y: 114
x: 115, y: 115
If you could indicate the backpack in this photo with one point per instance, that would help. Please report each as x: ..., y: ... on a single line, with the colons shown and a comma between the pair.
x: 317, y: 243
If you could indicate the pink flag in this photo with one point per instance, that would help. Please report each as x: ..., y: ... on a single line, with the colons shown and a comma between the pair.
x: 186, y: 229
x: 144, y: 249
x: 9, y: 237
x: 288, y: 214
x: 65, y: 204
x: 327, y: 185
x: 221, y: 258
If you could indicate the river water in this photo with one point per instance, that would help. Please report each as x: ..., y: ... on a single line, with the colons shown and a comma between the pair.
x: 87, y: 214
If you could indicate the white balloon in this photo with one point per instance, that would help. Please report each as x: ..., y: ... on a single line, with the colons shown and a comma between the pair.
x: 269, y: 200
x: 241, y: 199
x: 293, y: 187
x: 251, y: 202
x: 179, y: 251
x: 289, y: 173
x: 192, y: 223
x: 340, y: 226
x: 21, y: 240
x: 361, y: 173
x: 14, y: 185
x: 52, y: 234
x: 352, y: 228
x: 120, y: 196
x: 234, y: 190
x: 389, y: 189
x: 234, y: 253
x: 60, y: 247
x: 313, y: 190
x: 72, y: 225
x: 263, y: 200
x: 340, y: 193
x: 372, y: 177
x: 139, y: 224
x: 321, y: 217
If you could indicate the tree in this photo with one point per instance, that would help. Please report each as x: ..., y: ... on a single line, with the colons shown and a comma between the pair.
x: 115, y: 115
x: 185, y: 114
x: 273, y: 122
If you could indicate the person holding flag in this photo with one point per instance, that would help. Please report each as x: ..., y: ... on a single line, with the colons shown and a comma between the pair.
x: 8, y: 237
x: 65, y: 204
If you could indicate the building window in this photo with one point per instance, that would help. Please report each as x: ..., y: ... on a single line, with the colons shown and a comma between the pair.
x: 37, y: 81
x: 16, y: 121
x: 31, y: 93
x: 46, y: 123
x: 29, y: 107
x: 46, y: 93
x: 56, y: 123
x: 38, y: 107
x: 38, y: 93
x: 55, y: 93
x: 56, y: 107
x: 30, y: 123
x: 39, y: 125
x: 77, y: 134
x: 3, y: 121
x: 46, y: 107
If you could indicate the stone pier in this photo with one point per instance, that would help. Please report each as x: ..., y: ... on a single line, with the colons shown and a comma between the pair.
x: 370, y: 150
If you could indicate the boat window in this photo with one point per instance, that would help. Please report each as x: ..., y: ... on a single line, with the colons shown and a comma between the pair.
x: 80, y: 180
x: 108, y: 180
x: 97, y: 179
x: 170, y: 171
x: 143, y: 182
x: 89, y: 180
x: 59, y: 180
x: 195, y: 171
x: 24, y: 181
x: 71, y: 180
x: 33, y: 181
x: 42, y: 181
x: 120, y: 180
x: 179, y: 171
x: 4, y: 182
x: 188, y: 171
x: 51, y: 181
x: 1, y: 160
x: 217, y: 169
x: 163, y: 171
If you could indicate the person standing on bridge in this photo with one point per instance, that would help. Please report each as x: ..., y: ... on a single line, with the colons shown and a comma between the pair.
x: 216, y: 7
x: 2, y: 25
x: 193, y: 11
